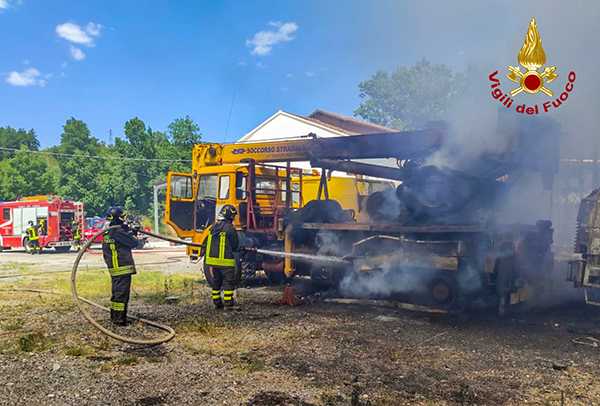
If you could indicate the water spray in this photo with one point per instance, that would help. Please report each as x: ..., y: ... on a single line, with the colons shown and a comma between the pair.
x: 304, y: 257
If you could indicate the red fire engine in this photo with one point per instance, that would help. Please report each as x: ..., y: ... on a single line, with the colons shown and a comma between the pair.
x: 53, y: 215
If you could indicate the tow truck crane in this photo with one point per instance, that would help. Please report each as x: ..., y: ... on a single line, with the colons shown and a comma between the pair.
x: 442, y: 237
x: 250, y: 177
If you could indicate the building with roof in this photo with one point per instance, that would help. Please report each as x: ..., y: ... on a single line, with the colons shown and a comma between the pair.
x: 322, y: 123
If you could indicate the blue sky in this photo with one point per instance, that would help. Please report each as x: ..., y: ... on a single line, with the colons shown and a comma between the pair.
x: 107, y: 61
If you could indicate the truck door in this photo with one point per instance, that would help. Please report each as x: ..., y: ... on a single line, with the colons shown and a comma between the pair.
x: 18, y: 228
x: 179, y: 212
x: 206, y: 204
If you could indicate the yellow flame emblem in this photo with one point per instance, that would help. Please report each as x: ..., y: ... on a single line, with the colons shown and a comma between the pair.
x: 532, y: 57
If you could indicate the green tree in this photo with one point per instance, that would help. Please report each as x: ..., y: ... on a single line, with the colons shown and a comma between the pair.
x: 81, y: 175
x: 14, y: 139
x: 143, y: 149
x: 183, y: 133
x: 26, y: 174
x: 409, y: 97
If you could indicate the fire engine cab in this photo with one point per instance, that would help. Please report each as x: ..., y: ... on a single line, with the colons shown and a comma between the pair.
x: 56, y: 220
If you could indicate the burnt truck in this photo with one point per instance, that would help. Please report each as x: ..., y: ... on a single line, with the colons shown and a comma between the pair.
x: 584, y: 270
x: 440, y: 238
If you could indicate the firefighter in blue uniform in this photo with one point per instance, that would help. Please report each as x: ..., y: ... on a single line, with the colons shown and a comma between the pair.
x: 116, y: 250
x: 222, y: 246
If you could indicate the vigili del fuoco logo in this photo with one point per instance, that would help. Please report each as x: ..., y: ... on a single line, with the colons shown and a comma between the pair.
x: 531, y: 57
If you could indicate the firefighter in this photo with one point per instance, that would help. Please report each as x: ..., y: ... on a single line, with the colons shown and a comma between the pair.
x: 33, y: 237
x: 76, y: 234
x: 220, y: 264
x: 116, y: 249
x: 42, y: 226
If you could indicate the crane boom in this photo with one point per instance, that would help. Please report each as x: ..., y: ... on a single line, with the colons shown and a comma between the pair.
x: 401, y: 144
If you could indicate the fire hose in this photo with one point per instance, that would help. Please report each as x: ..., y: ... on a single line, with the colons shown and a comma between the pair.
x: 170, y: 332
x: 79, y: 300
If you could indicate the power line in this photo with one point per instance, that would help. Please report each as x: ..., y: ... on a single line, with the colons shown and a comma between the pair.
x: 118, y: 158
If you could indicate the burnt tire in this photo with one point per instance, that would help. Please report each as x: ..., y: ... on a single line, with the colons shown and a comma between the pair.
x: 443, y: 292
x: 275, y: 278
x: 324, y: 279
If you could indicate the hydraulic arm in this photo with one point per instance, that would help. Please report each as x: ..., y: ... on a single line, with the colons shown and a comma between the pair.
x: 404, y: 145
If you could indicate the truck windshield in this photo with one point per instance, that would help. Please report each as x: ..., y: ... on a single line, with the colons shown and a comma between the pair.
x: 207, y: 187
x: 181, y: 187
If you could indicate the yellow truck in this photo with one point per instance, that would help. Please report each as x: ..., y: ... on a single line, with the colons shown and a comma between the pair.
x: 250, y: 177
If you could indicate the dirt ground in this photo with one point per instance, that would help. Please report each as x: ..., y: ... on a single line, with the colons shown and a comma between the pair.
x: 319, y: 353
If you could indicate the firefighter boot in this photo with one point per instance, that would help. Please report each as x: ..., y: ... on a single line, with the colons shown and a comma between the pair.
x: 218, y: 303
x: 123, y: 316
x: 230, y: 303
x: 119, y: 316
x: 216, y: 298
x: 113, y: 316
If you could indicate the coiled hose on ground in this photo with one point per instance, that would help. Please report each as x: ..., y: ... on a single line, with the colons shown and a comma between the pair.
x: 79, y: 300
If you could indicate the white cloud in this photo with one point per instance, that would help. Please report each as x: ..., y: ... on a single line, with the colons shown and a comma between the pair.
x: 6, y: 4
x: 93, y: 29
x: 78, y: 35
x: 263, y: 41
x: 77, y: 53
x: 29, y: 77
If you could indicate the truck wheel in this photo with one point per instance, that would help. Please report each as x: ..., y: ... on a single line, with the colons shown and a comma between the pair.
x: 62, y: 249
x: 275, y: 278
x: 323, y: 279
x: 443, y: 292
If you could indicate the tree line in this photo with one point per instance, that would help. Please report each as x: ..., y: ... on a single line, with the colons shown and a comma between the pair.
x: 83, y: 168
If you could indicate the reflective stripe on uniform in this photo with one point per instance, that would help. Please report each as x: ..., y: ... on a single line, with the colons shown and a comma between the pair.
x: 122, y: 270
x: 120, y: 307
x: 115, y: 258
x: 117, y: 270
x: 220, y: 260
x: 32, y: 234
x: 216, y: 294
x: 228, y: 295
x: 222, y: 238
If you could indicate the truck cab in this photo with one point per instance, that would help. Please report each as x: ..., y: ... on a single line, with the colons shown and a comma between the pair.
x: 262, y: 193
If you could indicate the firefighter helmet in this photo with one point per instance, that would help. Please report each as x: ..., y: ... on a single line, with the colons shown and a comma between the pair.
x: 228, y: 212
x: 115, y: 214
x: 30, y: 223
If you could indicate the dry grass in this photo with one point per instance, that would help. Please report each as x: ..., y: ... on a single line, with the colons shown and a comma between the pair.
x: 26, y: 316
